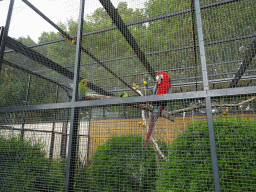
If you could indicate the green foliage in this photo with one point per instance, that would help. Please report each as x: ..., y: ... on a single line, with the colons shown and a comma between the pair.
x: 189, y: 162
x: 83, y: 178
x: 24, y: 167
x: 121, y: 164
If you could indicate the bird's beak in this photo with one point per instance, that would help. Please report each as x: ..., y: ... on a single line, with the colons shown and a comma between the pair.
x: 158, y: 79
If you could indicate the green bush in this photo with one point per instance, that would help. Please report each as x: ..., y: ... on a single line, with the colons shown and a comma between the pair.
x: 122, y: 164
x: 189, y: 162
x: 24, y: 167
x: 83, y: 178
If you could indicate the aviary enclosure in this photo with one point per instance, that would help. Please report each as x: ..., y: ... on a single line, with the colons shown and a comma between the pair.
x: 154, y: 95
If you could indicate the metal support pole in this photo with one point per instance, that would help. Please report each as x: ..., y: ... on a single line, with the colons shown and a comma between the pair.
x: 1, y: 35
x: 88, y: 137
x: 72, y: 147
x: 63, y: 147
x: 24, y: 113
x: 215, y: 167
x: 194, y: 38
x: 5, y: 32
x: 53, y: 125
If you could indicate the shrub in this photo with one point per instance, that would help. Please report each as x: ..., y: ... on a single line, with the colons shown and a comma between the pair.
x: 24, y: 167
x: 189, y: 162
x: 122, y: 164
x: 83, y: 178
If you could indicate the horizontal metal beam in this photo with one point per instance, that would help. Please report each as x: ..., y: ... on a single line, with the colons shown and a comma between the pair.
x: 131, y: 100
x: 232, y: 91
x: 9, y: 127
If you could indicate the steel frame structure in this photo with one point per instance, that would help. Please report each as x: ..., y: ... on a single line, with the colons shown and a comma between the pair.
x: 75, y: 105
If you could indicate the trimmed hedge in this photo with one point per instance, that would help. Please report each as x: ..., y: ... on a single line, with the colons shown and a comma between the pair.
x: 122, y: 164
x: 24, y: 167
x: 189, y: 161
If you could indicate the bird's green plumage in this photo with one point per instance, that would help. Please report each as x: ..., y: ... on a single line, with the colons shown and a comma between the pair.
x: 124, y: 94
x: 83, y: 87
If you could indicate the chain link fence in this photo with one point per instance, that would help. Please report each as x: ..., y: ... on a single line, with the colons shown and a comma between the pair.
x: 149, y: 95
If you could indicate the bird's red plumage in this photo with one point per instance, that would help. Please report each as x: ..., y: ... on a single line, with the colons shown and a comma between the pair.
x: 164, y: 86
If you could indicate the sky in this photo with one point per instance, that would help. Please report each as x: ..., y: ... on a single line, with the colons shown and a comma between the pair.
x: 26, y: 22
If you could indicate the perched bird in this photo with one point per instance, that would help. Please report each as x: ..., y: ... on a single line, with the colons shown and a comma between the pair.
x: 82, y: 88
x: 135, y: 86
x: 145, y: 83
x: 124, y: 94
x: 74, y: 41
x: 163, y: 86
x: 224, y: 112
x: 66, y: 39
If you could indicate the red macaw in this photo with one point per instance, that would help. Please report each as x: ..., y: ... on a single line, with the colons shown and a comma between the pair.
x: 163, y: 86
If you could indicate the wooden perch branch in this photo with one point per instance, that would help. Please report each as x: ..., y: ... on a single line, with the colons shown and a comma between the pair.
x: 156, y: 147
x: 94, y: 96
x: 203, y: 105
x: 166, y: 114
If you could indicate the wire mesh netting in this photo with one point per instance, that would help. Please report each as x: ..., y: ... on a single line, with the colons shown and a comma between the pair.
x: 133, y: 95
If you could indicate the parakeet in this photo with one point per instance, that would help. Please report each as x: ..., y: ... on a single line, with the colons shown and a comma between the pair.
x: 224, y: 112
x: 124, y: 94
x: 82, y: 88
x: 74, y: 41
x: 135, y: 86
x: 145, y: 83
x: 163, y: 86
x: 66, y: 39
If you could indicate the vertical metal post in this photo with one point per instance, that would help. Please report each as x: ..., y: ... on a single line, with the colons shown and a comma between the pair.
x: 24, y: 113
x: 215, y: 167
x: 1, y: 34
x: 88, y: 136
x: 194, y: 37
x: 72, y: 147
x: 5, y: 32
x: 63, y: 147
x: 53, y: 125
x: 104, y: 112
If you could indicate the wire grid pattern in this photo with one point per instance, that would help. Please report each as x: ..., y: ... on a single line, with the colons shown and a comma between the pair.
x: 53, y: 140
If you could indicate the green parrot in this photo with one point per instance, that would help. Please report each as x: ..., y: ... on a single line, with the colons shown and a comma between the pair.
x: 82, y: 88
x: 124, y: 94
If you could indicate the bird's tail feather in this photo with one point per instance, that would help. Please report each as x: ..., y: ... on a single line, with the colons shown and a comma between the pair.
x: 153, y: 120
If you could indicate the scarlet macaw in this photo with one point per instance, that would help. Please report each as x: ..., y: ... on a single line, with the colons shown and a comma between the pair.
x: 163, y: 86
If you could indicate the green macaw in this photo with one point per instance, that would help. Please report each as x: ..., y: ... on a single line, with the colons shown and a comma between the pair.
x: 124, y: 94
x: 82, y: 88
